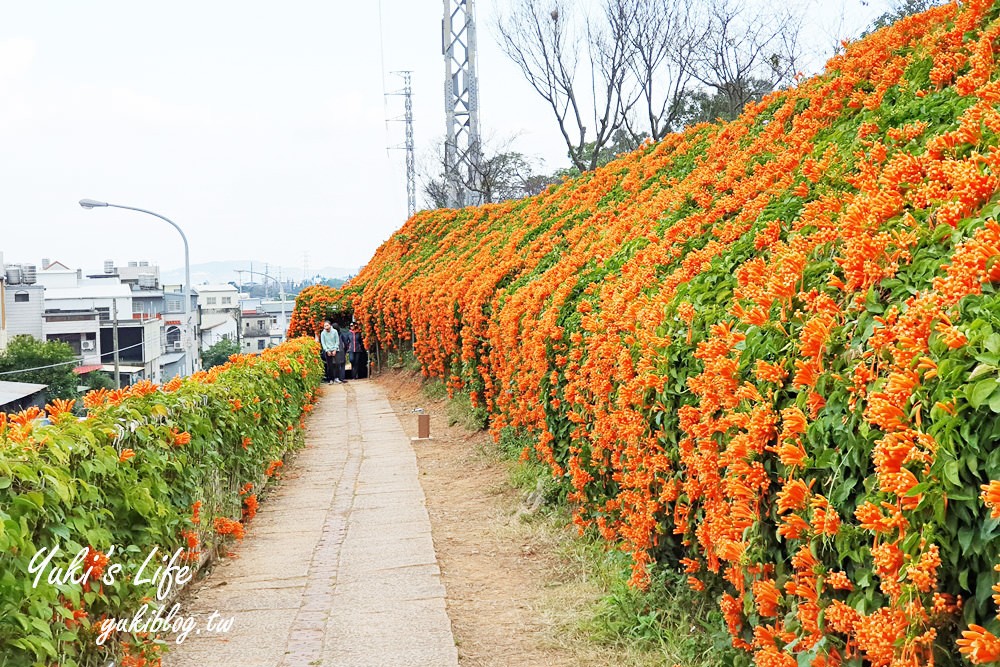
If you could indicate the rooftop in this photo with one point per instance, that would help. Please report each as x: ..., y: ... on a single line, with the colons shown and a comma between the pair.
x: 109, y: 291
x: 15, y: 391
x: 220, y: 287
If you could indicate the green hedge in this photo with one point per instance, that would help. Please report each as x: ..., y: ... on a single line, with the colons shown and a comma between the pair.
x: 129, y: 475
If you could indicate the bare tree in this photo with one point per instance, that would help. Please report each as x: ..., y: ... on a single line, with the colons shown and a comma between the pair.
x: 660, y: 36
x: 435, y: 191
x: 501, y: 174
x: 652, y: 65
x: 544, y: 44
x: 745, y: 53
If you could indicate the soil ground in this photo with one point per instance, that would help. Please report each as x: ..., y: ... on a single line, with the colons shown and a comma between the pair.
x: 515, y: 596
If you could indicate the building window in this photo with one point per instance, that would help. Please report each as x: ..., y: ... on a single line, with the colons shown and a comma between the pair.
x: 210, y: 301
x: 227, y: 300
x: 21, y: 297
x: 173, y: 336
x: 174, y: 305
x: 260, y: 344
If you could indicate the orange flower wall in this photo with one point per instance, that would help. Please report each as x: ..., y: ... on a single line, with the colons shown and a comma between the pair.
x: 765, y: 353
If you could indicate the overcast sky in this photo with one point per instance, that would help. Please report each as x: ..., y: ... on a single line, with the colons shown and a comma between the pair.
x: 259, y: 127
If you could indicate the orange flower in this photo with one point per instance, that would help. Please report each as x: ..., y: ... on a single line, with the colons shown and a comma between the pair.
x: 839, y: 581
x: 951, y: 336
x: 179, y: 438
x: 991, y: 498
x: 767, y: 596
x: 250, y: 507
x: 794, y: 495
x: 224, y: 526
x: 196, y: 512
x: 59, y: 407
x: 979, y: 645
x: 126, y: 455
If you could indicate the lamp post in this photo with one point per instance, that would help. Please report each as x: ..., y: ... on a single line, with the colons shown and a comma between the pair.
x: 190, y: 364
x: 281, y: 292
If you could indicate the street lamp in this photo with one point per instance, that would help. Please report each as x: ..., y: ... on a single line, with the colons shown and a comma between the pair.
x: 187, y: 333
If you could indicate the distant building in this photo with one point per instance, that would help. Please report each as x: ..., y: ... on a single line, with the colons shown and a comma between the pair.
x: 218, y: 298
x: 256, y: 331
x: 216, y: 327
x: 279, y: 319
x: 23, y: 306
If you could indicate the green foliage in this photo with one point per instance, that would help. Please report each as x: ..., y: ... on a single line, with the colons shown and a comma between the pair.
x: 461, y: 411
x: 96, y: 380
x: 435, y: 389
x: 901, y: 9
x: 668, y: 617
x: 24, y: 352
x: 219, y: 353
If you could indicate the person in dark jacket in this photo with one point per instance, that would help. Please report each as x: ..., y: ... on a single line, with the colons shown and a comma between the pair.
x: 355, y: 350
x: 341, y: 359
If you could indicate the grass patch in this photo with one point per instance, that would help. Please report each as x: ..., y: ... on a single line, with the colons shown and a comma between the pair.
x: 402, y: 360
x: 667, y: 624
x: 664, y: 625
x: 460, y: 411
x: 435, y: 389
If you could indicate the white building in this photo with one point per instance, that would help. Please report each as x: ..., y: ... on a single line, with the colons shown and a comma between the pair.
x: 217, y: 298
x: 281, y: 315
x: 57, y: 275
x: 87, y: 317
x: 21, y: 302
x: 216, y: 327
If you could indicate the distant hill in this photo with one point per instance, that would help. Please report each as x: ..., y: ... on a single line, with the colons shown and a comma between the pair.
x: 225, y: 271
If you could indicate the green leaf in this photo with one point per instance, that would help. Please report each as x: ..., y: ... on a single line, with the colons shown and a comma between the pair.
x: 984, y: 589
x: 951, y: 473
x: 965, y: 535
x: 982, y: 369
x: 980, y: 392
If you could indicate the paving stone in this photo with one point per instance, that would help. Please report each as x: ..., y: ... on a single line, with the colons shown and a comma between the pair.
x: 338, y: 568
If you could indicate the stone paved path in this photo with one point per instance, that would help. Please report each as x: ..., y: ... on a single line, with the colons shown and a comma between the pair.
x: 338, y: 568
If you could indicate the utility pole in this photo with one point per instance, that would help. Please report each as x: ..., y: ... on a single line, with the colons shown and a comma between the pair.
x: 114, y: 341
x: 411, y: 168
x: 462, y: 150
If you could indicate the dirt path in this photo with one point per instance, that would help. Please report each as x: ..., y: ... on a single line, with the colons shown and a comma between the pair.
x: 510, y: 593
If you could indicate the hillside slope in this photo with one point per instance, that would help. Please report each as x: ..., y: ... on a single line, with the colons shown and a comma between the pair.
x: 765, y: 351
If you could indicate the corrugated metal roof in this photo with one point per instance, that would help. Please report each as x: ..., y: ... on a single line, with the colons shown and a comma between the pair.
x: 15, y: 391
x: 170, y: 357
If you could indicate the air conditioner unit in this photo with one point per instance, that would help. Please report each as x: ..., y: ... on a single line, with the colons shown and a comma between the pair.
x: 177, y: 346
x: 87, y: 345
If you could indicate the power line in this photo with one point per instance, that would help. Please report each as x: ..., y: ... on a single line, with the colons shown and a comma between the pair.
x: 65, y: 363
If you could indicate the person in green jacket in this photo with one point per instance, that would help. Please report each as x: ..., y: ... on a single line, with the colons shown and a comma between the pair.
x: 329, y: 341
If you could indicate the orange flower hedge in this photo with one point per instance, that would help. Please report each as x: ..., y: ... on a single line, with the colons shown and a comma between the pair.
x: 315, y: 304
x: 766, y: 352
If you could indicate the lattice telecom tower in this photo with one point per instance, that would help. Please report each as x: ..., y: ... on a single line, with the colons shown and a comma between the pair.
x: 461, y: 102
x: 411, y: 166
